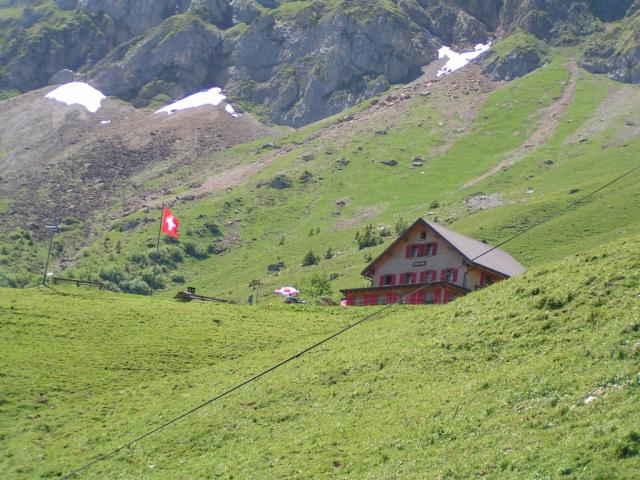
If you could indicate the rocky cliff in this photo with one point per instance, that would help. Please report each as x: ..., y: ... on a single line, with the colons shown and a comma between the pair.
x: 294, y: 62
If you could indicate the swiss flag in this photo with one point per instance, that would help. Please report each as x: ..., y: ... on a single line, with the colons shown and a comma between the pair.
x: 170, y: 223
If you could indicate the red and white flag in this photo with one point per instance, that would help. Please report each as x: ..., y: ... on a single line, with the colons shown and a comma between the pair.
x: 170, y: 223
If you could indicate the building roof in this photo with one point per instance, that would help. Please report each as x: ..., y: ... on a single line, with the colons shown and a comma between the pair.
x: 473, y: 251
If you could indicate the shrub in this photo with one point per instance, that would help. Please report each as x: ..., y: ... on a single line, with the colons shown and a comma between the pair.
x: 170, y: 240
x: 209, y: 229
x: 112, y: 275
x: 316, y: 285
x: 401, y: 226
x: 168, y: 256
x: 329, y: 254
x: 135, y: 285
x: 178, y: 279
x: 310, y: 259
x: 156, y: 283
x: 139, y: 259
x: 194, y: 251
x: 629, y: 447
x: 369, y: 238
x: 20, y: 280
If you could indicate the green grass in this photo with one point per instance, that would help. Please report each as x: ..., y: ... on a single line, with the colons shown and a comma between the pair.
x: 520, y: 41
x: 257, y: 218
x: 503, y: 123
x: 492, y: 385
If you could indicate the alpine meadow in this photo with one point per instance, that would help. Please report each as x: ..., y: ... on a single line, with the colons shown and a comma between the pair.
x: 368, y: 239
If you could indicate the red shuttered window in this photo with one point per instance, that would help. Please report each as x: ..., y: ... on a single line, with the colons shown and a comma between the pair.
x: 416, y: 298
x: 370, y: 299
x: 387, y: 280
x: 437, y: 297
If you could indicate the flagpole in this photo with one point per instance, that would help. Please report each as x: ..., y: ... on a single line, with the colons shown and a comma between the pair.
x: 155, y: 263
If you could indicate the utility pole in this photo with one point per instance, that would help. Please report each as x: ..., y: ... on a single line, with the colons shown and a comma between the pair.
x: 52, y: 229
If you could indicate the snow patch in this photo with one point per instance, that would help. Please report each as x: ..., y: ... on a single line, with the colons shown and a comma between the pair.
x: 105, y: 122
x: 213, y: 96
x: 458, y: 60
x: 79, y: 93
x: 231, y: 110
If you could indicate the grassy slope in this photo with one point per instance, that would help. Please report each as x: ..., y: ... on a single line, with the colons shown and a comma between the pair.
x: 491, y: 385
x: 379, y: 194
x: 504, y: 123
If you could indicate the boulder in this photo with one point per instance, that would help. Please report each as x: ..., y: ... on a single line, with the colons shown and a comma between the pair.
x: 275, y: 267
x: 512, y: 66
x: 63, y: 76
x: 280, y: 182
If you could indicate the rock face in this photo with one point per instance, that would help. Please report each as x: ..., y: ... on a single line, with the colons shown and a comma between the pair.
x: 178, y: 57
x: 512, y: 66
x: 299, y: 61
x: 616, y: 52
x: 306, y: 70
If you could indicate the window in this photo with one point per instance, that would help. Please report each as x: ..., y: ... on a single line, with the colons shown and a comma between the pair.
x: 486, y: 279
x: 382, y: 299
x: 415, y: 251
x: 429, y: 298
x: 423, y: 235
x: 428, y: 276
x: 431, y: 249
x: 449, y: 275
x: 358, y: 301
x: 388, y: 280
x: 406, y: 278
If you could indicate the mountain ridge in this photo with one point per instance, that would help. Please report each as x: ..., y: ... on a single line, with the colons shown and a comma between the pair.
x: 293, y: 62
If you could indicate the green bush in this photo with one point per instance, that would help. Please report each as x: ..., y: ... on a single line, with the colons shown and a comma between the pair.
x: 316, y: 285
x: 135, y: 285
x: 178, y: 279
x: 401, y: 226
x: 194, y: 251
x: 166, y: 256
x: 113, y: 275
x: 369, y: 238
x: 310, y: 259
x: 156, y: 283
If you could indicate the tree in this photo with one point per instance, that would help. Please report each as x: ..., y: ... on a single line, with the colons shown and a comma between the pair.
x: 369, y: 238
x: 256, y: 284
x: 316, y: 285
x: 310, y: 259
x: 329, y: 254
x: 401, y: 226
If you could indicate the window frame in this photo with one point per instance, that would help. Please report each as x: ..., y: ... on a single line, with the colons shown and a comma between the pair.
x: 429, y: 248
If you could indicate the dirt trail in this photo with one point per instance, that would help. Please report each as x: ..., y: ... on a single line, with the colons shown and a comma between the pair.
x: 551, y: 116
